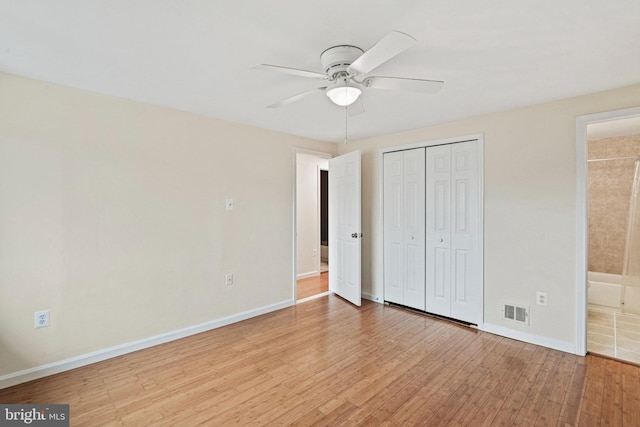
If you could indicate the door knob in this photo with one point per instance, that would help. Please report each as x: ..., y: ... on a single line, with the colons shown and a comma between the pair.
x: 356, y: 235
x: 441, y: 240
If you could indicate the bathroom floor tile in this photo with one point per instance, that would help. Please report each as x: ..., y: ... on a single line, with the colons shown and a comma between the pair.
x: 612, y: 333
x: 631, y: 356
x: 602, y: 349
x: 628, y: 335
x: 628, y: 345
x: 597, y: 329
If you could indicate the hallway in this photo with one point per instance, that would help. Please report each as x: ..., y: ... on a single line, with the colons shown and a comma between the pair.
x: 312, y: 286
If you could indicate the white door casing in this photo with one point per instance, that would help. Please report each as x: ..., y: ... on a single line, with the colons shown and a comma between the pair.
x: 345, y: 232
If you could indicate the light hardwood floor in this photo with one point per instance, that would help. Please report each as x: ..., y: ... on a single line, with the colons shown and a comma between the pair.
x: 312, y: 286
x: 327, y: 362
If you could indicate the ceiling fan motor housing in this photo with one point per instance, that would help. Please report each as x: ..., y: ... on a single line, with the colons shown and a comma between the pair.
x: 337, y: 59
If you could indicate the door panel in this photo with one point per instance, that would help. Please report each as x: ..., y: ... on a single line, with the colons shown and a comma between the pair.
x: 345, y: 226
x: 462, y: 211
x: 403, y: 233
x: 393, y: 212
x: 394, y: 276
x: 438, y: 230
x: 465, y: 304
x: 441, y: 278
x: 414, y: 202
x: 460, y: 277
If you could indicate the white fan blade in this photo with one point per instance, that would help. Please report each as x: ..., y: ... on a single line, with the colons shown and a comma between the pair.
x: 291, y: 71
x: 356, y: 108
x: 297, y: 97
x: 398, y: 83
x: 390, y: 45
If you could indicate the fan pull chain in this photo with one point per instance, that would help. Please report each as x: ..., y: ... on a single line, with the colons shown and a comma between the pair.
x: 346, y: 125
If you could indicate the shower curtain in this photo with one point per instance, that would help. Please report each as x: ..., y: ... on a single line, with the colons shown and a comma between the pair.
x: 631, y: 266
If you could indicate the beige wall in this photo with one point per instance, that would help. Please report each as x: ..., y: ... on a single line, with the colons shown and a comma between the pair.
x: 112, y: 216
x: 609, y: 189
x: 529, y: 207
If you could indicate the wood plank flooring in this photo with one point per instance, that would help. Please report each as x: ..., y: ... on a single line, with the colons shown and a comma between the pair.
x: 312, y: 286
x: 326, y: 362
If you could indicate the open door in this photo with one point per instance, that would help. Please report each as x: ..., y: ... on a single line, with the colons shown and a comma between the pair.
x: 345, y: 231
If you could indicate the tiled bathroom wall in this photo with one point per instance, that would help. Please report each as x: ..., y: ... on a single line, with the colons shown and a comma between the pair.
x: 609, y: 190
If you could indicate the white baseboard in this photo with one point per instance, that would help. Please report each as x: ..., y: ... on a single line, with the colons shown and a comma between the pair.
x: 307, y: 275
x: 567, y: 347
x: 373, y: 298
x: 19, y: 377
x: 363, y: 294
x: 312, y: 297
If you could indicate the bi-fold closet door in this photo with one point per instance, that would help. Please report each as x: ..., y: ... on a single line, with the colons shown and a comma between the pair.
x: 453, y: 278
x: 404, y: 213
x: 432, y: 225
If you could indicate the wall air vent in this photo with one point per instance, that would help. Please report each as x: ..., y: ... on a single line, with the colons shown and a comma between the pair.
x: 516, y: 313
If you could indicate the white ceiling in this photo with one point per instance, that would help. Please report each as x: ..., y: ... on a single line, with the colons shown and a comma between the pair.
x: 195, y: 55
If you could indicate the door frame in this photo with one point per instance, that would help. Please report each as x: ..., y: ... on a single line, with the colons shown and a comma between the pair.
x: 430, y: 143
x: 582, y: 223
x: 294, y: 267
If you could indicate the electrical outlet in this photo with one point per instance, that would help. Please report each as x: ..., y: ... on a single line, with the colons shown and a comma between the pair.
x: 41, y: 319
x: 315, y: 253
x: 541, y: 298
x: 229, y: 279
x: 228, y: 204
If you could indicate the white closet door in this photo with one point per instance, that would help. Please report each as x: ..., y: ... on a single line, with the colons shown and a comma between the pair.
x: 414, y: 225
x: 393, y: 212
x: 465, y: 215
x: 403, y: 210
x: 453, y: 281
x: 438, y: 230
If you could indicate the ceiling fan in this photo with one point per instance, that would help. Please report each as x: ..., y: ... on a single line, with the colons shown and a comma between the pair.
x: 346, y: 71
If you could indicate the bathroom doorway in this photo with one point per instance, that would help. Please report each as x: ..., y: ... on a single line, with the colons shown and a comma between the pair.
x: 613, y: 236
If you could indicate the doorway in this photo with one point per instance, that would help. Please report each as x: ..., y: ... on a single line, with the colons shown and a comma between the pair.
x: 312, y: 236
x: 324, y: 221
x: 608, y: 291
x: 613, y: 276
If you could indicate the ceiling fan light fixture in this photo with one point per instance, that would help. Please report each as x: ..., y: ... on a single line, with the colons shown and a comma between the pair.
x: 343, y: 94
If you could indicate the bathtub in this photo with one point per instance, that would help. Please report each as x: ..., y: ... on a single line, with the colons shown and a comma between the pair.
x: 606, y: 289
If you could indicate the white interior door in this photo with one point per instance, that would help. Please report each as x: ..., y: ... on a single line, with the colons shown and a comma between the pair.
x: 345, y: 232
